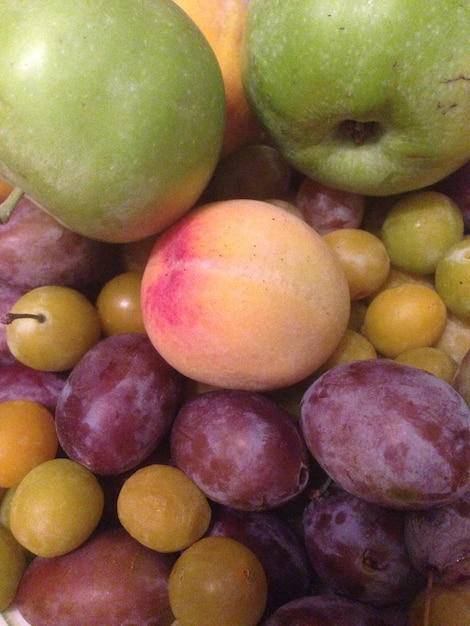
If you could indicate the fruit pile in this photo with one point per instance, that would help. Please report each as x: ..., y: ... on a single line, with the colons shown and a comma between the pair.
x: 234, y: 362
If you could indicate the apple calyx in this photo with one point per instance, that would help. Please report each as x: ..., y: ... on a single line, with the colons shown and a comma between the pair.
x: 359, y: 132
x: 8, y: 205
x: 11, y: 317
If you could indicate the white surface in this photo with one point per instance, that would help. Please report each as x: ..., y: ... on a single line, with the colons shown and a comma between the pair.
x: 12, y: 618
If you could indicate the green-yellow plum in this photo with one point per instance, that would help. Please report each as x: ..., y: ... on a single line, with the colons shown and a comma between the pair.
x: 217, y: 580
x: 50, y: 328
x: 452, y: 278
x: 12, y: 567
x: 439, y: 605
x: 118, y: 304
x: 419, y: 228
x: 112, y: 114
x: 367, y: 96
x: 56, y: 507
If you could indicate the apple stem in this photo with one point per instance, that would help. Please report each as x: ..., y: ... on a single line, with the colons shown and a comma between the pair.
x: 8, y: 205
x: 359, y: 132
x: 11, y: 317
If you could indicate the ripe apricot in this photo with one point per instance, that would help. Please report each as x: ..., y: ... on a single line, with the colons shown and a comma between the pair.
x: 244, y: 294
x: 222, y: 23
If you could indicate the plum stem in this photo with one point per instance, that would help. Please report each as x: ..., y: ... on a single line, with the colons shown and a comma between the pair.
x: 9, y: 204
x: 11, y: 317
x: 427, y: 601
x: 322, y: 489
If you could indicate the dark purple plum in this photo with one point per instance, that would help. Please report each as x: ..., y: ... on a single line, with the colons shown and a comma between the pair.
x: 20, y: 382
x: 256, y: 171
x: 438, y: 541
x: 326, y: 209
x: 240, y: 448
x: 276, y: 544
x: 111, y: 579
x: 389, y: 433
x: 36, y: 250
x: 9, y: 294
x: 328, y: 609
x: 117, y: 405
x: 358, y: 549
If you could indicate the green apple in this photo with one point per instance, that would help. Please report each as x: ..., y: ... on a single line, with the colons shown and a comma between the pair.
x: 112, y: 113
x: 369, y: 96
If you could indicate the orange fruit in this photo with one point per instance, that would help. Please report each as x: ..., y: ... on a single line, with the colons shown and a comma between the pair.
x: 5, y: 190
x: 222, y: 23
x: 244, y: 294
x: 27, y: 438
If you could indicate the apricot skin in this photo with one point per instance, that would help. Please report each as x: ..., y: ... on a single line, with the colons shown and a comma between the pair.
x: 222, y: 22
x: 242, y: 294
